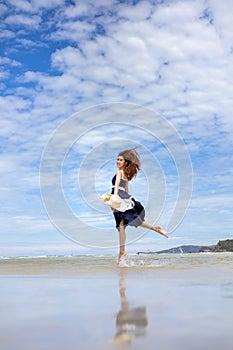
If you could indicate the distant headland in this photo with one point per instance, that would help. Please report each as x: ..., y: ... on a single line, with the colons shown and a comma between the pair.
x: 221, y: 246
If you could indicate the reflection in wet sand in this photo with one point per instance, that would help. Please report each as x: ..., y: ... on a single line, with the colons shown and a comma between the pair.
x: 130, y: 321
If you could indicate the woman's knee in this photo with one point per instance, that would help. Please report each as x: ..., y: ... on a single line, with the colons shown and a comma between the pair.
x: 121, y: 225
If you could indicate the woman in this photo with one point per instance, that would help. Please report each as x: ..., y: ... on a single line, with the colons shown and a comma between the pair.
x: 128, y: 164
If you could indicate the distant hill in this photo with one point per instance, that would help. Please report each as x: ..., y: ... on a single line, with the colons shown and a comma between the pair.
x: 221, y: 246
x: 226, y: 245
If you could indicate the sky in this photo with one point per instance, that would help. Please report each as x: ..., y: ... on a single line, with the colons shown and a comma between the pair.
x: 81, y: 80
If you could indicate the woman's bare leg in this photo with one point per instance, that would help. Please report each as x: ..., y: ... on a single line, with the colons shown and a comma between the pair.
x: 158, y: 229
x: 122, y: 238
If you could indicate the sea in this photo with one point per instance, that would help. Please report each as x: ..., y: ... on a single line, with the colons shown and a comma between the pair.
x: 76, y: 264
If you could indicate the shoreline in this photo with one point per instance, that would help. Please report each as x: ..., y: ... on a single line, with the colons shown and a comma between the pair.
x: 159, y: 265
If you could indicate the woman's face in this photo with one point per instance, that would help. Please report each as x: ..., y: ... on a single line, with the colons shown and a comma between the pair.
x: 120, y: 162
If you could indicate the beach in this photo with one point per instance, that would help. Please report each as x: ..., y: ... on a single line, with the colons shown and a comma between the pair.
x: 167, y: 301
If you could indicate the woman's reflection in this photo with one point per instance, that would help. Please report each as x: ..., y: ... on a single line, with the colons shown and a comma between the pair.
x: 130, y: 321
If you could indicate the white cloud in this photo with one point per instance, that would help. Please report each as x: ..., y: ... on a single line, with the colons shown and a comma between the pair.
x: 21, y: 5
x: 5, y: 65
x: 141, y: 11
x: 222, y: 19
x: 80, y: 9
x: 73, y: 31
x: 26, y: 43
x: 132, y: 57
x: 7, y: 34
x: 7, y: 61
x: 19, y: 20
x: 47, y: 4
x: 34, y: 5
x: 3, y: 9
x: 173, y: 13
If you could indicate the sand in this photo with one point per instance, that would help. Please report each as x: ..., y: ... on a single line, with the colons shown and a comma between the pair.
x: 116, y: 308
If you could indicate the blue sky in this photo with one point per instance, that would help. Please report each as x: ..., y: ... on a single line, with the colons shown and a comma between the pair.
x: 58, y: 58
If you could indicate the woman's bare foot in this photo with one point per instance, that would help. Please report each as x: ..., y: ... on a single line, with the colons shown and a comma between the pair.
x: 160, y: 230
x: 121, y: 256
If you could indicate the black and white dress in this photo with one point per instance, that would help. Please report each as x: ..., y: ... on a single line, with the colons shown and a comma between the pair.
x: 133, y: 216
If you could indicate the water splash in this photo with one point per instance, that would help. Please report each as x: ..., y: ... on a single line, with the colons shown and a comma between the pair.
x: 133, y: 261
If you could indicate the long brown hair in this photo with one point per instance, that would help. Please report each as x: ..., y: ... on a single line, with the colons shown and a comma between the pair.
x: 132, y: 162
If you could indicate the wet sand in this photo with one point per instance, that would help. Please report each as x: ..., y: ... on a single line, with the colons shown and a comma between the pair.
x: 116, y: 308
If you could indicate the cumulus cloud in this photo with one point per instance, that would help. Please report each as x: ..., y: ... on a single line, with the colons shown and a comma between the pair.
x: 34, y: 5
x: 19, y: 20
x: 154, y: 61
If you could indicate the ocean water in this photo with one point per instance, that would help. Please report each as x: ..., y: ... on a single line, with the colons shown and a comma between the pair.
x: 167, y: 301
x: 164, y: 263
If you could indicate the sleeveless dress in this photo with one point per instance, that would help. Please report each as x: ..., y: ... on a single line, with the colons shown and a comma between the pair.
x: 134, y: 216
